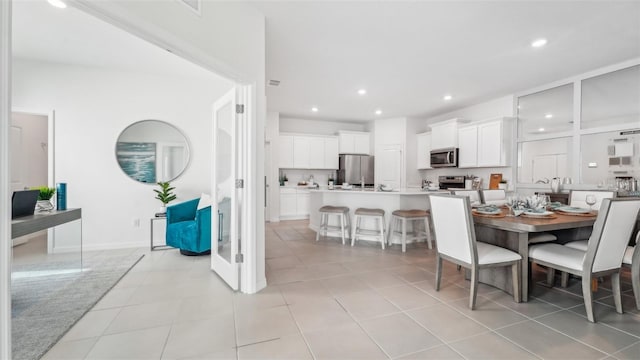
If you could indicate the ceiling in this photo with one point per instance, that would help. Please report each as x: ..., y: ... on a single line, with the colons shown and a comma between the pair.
x: 408, y: 55
x: 70, y: 36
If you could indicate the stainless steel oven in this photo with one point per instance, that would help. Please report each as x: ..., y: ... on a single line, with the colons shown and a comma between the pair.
x: 444, y: 158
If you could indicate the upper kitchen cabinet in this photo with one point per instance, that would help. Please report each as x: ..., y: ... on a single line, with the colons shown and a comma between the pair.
x: 308, y: 152
x: 445, y: 134
x: 354, y: 142
x: 485, y: 144
x: 424, y: 150
x: 285, y: 152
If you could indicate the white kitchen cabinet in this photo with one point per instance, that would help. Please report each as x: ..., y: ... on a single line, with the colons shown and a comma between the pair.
x: 316, y: 155
x: 294, y: 203
x: 301, y: 152
x: 285, y: 152
x: 468, y: 145
x: 493, y: 143
x: 445, y: 134
x: 302, y: 203
x: 354, y: 142
x: 424, y: 150
x: 331, y: 146
x: 308, y: 152
x: 288, y: 203
x: 485, y: 144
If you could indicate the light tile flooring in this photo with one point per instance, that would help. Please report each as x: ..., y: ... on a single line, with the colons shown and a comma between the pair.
x: 326, y: 300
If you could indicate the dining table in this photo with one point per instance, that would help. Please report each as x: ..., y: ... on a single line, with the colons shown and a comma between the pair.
x: 512, y: 232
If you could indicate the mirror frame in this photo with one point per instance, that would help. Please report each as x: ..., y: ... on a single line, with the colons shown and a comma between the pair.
x: 186, y: 140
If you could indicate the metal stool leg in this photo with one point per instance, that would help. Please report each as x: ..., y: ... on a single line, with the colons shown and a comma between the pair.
x: 342, y: 226
x: 354, y: 230
x: 381, y: 221
x: 404, y: 235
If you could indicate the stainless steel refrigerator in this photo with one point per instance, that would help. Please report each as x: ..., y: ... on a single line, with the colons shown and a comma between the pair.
x: 353, y: 168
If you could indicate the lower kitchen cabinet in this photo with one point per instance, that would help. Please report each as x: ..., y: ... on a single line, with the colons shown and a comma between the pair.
x: 294, y: 203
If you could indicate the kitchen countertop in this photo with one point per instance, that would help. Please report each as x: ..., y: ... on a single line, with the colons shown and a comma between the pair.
x: 409, y: 191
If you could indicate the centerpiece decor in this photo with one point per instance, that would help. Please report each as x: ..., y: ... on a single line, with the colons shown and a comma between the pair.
x: 44, y: 198
x: 165, y: 195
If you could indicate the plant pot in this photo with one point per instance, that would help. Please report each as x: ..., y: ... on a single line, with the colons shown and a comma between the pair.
x: 44, y: 205
x: 502, y: 186
x: 162, y: 209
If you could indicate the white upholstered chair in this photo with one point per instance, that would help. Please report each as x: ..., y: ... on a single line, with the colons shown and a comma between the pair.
x: 605, y: 250
x: 474, y: 195
x: 577, y: 198
x: 494, y: 197
x: 453, y: 226
x: 632, y: 260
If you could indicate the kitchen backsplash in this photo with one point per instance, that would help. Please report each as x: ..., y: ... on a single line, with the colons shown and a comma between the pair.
x: 320, y: 176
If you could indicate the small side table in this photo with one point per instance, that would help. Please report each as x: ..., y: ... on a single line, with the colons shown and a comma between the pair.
x: 158, y: 247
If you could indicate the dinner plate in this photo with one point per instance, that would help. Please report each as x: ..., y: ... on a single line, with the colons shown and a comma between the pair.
x: 532, y: 213
x: 488, y: 212
x: 572, y: 209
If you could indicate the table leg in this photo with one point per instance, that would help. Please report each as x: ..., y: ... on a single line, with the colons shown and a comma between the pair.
x: 523, y: 250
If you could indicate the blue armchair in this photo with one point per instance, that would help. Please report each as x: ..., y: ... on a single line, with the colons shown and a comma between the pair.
x: 188, y: 228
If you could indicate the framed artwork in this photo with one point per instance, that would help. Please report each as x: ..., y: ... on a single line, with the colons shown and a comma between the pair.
x: 137, y: 160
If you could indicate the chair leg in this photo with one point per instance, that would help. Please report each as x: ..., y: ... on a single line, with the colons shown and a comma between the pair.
x: 617, y: 295
x: 404, y: 235
x: 515, y: 276
x: 390, y: 230
x: 381, y: 221
x: 564, y: 279
x: 551, y: 274
x: 588, y: 297
x: 635, y: 280
x: 322, y: 220
x: 354, y: 229
x: 342, y: 227
x: 438, y: 271
x: 474, y: 287
x: 427, y: 231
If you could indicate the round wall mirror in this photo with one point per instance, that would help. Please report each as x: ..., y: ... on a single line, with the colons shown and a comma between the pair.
x: 150, y: 151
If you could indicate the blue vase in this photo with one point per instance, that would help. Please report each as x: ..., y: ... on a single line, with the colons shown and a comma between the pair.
x: 61, y: 196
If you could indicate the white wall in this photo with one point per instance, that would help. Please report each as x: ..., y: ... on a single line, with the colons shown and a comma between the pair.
x: 487, y: 110
x: 92, y: 107
x: 272, y: 132
x: 495, y: 108
x: 319, y: 127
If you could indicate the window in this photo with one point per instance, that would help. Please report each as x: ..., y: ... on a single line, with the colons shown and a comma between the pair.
x: 542, y: 160
x: 611, y: 99
x: 546, y: 112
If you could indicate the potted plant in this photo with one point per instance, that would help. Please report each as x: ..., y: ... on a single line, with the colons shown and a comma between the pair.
x: 165, y: 195
x: 44, y: 198
x: 502, y: 185
x: 285, y: 180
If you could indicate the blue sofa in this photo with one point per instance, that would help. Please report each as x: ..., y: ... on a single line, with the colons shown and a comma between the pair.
x: 188, y: 228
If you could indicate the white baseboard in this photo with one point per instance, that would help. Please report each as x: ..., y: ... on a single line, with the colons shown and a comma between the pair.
x: 294, y: 217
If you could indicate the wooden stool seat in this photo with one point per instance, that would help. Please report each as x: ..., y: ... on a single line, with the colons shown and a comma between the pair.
x: 411, y: 213
x: 333, y: 209
x: 369, y: 212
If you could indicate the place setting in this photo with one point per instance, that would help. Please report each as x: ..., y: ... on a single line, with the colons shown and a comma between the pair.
x: 535, y: 206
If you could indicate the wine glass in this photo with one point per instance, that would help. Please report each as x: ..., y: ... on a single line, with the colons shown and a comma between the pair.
x: 590, y: 200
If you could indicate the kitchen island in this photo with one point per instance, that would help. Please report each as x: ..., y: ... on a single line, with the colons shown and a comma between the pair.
x: 388, y: 201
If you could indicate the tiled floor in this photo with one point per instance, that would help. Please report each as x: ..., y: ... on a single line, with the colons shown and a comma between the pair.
x: 326, y: 300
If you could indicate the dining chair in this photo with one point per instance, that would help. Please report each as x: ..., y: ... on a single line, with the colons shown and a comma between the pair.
x: 604, y: 255
x: 454, y: 230
x: 631, y: 260
x: 494, y: 197
x: 577, y: 198
x: 474, y: 195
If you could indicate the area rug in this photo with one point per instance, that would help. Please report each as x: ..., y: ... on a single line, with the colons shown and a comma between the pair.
x: 48, y: 299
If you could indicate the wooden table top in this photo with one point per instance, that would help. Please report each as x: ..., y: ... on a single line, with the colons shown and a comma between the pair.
x: 532, y: 224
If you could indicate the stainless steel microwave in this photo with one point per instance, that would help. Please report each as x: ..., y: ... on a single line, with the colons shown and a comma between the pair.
x: 444, y: 158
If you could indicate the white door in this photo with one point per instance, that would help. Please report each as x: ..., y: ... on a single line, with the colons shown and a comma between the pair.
x: 388, y: 163
x: 227, y: 126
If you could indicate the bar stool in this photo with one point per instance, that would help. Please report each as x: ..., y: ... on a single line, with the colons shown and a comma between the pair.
x: 401, y: 217
x: 375, y: 214
x: 343, y: 214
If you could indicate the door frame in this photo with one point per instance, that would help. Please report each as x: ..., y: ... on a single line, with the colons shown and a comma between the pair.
x: 5, y: 180
x: 51, y: 157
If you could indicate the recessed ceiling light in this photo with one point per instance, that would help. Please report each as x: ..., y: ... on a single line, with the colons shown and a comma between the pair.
x: 539, y: 43
x: 314, y: 109
x: 548, y: 116
x: 57, y: 3
x: 362, y: 92
x: 541, y: 129
x: 378, y: 112
x: 447, y: 97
